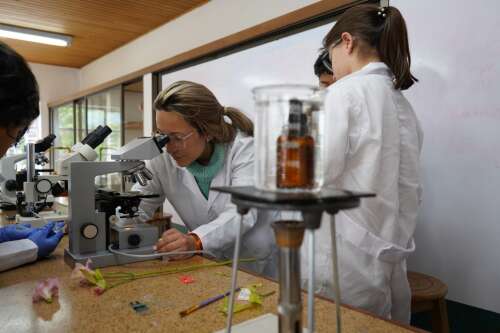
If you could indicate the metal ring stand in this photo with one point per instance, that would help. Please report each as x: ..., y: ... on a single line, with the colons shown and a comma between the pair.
x: 311, y: 205
x: 310, y: 282
x: 234, y: 274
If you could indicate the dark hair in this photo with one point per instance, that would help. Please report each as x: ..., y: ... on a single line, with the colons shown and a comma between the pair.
x: 382, y: 28
x: 19, y: 96
x: 201, y: 109
x: 320, y: 65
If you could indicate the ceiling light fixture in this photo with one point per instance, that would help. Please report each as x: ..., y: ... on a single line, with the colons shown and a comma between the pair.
x: 36, y: 36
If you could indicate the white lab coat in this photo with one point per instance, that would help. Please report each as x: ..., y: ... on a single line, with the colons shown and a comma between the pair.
x: 373, y: 144
x: 215, y: 220
x: 17, y: 253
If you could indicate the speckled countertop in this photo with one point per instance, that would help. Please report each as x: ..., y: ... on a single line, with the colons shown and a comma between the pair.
x: 78, y: 309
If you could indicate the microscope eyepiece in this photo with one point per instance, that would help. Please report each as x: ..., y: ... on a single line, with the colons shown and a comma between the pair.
x: 161, y: 140
x: 45, y: 143
x: 97, y: 136
x: 85, y: 139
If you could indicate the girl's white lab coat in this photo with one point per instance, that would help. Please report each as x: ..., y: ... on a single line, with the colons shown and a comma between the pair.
x: 374, y: 144
x: 215, y: 220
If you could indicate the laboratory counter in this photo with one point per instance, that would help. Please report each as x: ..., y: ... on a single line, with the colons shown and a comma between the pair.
x: 79, y: 309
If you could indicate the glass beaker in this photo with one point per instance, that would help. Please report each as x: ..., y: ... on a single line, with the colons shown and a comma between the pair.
x: 289, y: 137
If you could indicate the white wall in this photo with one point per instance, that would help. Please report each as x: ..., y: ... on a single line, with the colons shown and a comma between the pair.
x: 214, y: 20
x: 147, y: 103
x: 232, y: 78
x: 455, y: 47
x: 54, y: 82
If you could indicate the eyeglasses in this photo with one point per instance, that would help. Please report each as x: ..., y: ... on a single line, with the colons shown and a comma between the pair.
x: 177, y: 140
x: 334, y: 44
x: 325, y: 60
x: 19, y: 135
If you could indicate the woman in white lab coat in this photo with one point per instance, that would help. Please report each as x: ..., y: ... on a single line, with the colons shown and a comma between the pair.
x: 19, y: 98
x: 374, y: 145
x: 210, y: 145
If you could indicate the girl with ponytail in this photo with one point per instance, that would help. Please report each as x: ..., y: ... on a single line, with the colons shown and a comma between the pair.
x: 209, y: 145
x: 374, y: 144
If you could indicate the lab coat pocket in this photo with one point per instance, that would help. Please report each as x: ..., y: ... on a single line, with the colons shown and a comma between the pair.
x: 370, y: 243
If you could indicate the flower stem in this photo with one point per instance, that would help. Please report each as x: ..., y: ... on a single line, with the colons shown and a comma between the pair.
x: 120, y: 278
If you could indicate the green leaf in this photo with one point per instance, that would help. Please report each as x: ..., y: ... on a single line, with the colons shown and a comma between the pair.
x: 255, y: 299
x: 98, y: 275
x: 89, y: 275
x: 238, y: 306
x: 100, y: 282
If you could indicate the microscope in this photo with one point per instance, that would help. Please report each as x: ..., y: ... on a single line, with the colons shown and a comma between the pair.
x: 11, y: 180
x: 39, y: 188
x: 104, y: 225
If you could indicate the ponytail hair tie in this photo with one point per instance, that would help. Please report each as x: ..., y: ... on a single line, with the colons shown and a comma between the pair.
x: 225, y: 116
x: 382, y: 12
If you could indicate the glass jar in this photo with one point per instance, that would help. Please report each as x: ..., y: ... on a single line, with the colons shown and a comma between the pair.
x: 289, y: 137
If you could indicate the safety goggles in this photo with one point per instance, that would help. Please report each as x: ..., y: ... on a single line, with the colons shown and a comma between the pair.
x: 325, y: 60
x: 334, y: 44
x: 177, y: 140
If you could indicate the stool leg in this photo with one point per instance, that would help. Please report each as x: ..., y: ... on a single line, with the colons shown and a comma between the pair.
x: 440, y: 317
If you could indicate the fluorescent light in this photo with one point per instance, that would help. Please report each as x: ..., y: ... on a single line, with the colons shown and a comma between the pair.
x: 36, y: 36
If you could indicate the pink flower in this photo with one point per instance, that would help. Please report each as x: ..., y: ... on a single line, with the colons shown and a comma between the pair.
x: 45, y: 290
x: 77, y: 273
x: 99, y: 291
x: 87, y: 277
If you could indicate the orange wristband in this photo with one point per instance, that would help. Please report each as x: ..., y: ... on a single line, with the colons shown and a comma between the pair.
x: 198, y: 246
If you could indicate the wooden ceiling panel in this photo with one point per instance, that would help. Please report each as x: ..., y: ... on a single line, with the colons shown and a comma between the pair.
x: 97, y: 26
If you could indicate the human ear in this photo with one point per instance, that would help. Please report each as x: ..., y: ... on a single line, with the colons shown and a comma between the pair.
x: 348, y: 41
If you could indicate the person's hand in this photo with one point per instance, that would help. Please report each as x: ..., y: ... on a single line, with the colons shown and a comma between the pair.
x: 59, y: 226
x: 46, y: 239
x: 13, y: 232
x: 173, y: 240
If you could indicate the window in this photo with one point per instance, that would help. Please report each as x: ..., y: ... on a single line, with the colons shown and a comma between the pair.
x: 133, y: 115
x: 105, y: 109
x: 80, y: 120
x: 63, y: 124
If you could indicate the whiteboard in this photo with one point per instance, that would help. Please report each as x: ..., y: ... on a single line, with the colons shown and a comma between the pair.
x: 455, y: 51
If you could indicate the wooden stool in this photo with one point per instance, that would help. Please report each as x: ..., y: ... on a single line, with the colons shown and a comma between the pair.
x: 427, y: 294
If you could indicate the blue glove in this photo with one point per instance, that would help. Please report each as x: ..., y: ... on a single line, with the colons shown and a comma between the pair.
x: 46, y: 239
x: 59, y: 226
x: 13, y: 232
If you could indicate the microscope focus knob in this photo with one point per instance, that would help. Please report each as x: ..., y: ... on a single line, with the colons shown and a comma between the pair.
x: 134, y: 240
x: 11, y: 185
x: 89, y: 231
x: 43, y: 186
